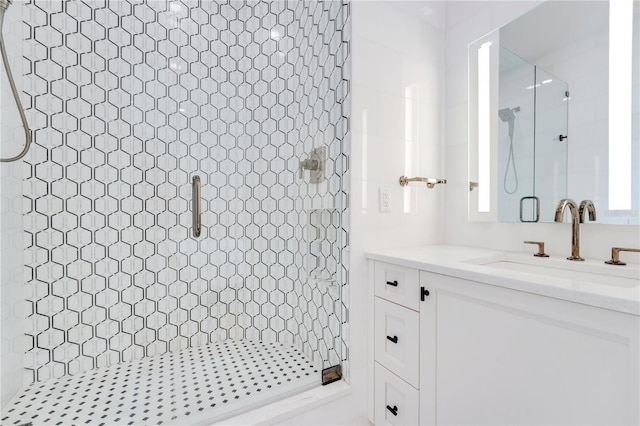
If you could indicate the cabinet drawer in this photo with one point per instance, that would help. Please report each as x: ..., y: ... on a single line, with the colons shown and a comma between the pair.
x: 395, y: 401
x: 397, y: 284
x: 397, y: 340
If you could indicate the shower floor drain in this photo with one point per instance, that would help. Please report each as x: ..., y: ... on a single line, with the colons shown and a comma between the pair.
x: 202, y: 384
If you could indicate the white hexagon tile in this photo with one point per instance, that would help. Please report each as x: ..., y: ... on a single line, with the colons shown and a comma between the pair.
x: 128, y: 99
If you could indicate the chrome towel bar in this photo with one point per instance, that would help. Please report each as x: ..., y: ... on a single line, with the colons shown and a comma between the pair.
x: 431, y: 182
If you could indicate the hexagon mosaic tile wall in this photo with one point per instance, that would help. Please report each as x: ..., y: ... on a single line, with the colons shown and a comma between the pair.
x: 128, y: 99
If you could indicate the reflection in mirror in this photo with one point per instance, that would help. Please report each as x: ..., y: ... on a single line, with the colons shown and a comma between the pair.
x: 532, y: 140
x: 558, y: 121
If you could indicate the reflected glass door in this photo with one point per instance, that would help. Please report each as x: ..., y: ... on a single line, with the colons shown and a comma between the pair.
x: 532, y: 141
x: 551, y: 142
x: 516, y: 124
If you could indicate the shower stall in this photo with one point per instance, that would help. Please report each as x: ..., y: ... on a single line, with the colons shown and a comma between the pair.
x: 148, y: 117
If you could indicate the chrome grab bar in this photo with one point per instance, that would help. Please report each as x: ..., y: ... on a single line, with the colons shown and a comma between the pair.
x: 196, y: 206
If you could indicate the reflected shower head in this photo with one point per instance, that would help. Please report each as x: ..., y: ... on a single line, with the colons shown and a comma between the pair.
x: 508, y: 116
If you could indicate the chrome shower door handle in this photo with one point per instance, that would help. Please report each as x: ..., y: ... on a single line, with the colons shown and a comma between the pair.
x: 196, y: 206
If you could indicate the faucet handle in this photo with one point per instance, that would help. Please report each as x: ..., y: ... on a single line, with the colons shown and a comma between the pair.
x: 308, y: 164
x: 301, y: 168
x: 615, y: 255
x: 305, y: 165
x: 540, y: 245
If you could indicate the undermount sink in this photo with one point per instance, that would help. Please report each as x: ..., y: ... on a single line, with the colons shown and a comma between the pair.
x: 589, y: 271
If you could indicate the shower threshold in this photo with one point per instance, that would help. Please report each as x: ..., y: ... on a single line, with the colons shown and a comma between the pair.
x: 200, y: 385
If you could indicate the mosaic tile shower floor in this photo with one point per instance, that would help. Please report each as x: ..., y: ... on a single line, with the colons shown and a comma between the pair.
x: 197, y: 385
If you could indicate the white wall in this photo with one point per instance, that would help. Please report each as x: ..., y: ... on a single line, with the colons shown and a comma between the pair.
x: 583, y: 65
x: 12, y: 277
x: 397, y: 95
x: 392, y: 46
x: 465, y: 22
x: 11, y: 226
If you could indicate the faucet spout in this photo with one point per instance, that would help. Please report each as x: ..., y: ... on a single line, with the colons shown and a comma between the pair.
x: 575, y: 225
x: 586, y: 206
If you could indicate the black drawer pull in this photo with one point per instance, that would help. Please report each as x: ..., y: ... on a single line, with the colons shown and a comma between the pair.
x: 392, y: 283
x: 394, y: 339
x: 393, y: 410
x: 423, y: 293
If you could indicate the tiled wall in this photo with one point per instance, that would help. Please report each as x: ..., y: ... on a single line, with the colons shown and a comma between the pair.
x: 130, y: 99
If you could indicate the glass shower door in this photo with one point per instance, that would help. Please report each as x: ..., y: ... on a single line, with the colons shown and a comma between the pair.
x: 256, y: 296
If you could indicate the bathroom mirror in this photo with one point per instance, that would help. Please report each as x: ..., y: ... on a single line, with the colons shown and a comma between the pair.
x: 554, y: 111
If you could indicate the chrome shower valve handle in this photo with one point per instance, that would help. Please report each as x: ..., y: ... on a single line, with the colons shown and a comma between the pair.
x: 316, y: 164
x: 307, y: 164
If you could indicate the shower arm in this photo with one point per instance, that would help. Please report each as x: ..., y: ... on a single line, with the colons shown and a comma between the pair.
x: 16, y: 97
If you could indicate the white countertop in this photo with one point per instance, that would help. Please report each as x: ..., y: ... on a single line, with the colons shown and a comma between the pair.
x: 590, y: 282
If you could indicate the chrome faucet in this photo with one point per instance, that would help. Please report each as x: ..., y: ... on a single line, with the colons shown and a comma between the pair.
x: 587, y: 206
x: 575, y: 224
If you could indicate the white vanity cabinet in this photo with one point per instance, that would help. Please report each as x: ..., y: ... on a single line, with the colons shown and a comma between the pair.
x: 485, y: 354
x: 396, y: 345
